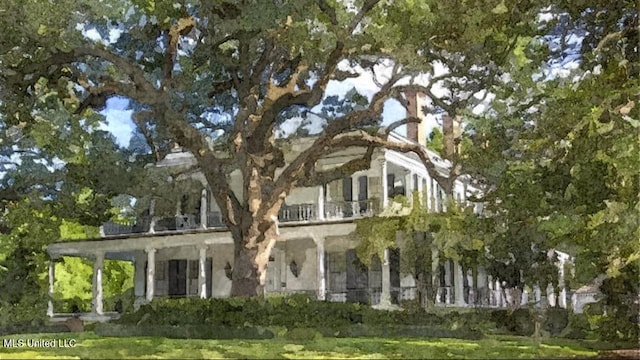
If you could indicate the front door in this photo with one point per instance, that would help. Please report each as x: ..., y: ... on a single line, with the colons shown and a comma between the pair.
x: 177, y: 277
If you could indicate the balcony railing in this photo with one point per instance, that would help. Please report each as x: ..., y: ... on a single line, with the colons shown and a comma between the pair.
x: 300, y: 212
x: 333, y: 210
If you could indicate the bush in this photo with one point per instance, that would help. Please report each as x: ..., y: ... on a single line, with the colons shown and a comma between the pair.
x: 556, y: 320
x: 619, y: 324
x: 330, y: 319
x: 36, y: 326
x: 516, y: 322
x: 578, y: 327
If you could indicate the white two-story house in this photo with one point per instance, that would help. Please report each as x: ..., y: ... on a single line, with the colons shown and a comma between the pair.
x: 191, y: 254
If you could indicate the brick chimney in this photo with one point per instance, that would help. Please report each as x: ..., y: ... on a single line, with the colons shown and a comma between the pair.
x: 415, y: 103
x: 452, y: 132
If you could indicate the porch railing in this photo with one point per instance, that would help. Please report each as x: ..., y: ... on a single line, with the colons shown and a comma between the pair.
x: 141, y: 225
x: 299, y: 212
x: 349, y: 209
x: 333, y: 210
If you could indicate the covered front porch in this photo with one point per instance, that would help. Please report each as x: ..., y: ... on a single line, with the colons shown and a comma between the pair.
x: 200, y: 264
x: 316, y: 259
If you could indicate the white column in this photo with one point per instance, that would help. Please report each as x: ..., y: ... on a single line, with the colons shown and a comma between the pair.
x: 499, y: 295
x: 562, y: 301
x: 383, y: 182
x: 408, y: 184
x: 385, y: 295
x: 458, y: 283
x: 525, y: 298
x: 52, y: 279
x: 152, y: 212
x: 434, y: 193
x: 202, y: 272
x: 464, y: 194
x: 138, y: 285
x: 203, y: 209
x: 321, y: 202
x: 98, y: 267
x: 322, y: 277
x: 151, y: 271
x: 429, y: 194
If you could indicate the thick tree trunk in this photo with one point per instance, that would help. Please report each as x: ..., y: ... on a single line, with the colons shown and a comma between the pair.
x: 251, y: 253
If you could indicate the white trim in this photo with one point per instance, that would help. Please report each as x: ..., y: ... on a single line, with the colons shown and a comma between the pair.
x: 98, y: 270
x: 151, y: 269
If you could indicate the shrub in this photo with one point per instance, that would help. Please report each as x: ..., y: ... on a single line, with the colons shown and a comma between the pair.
x: 516, y: 322
x: 330, y: 319
x: 556, y: 320
x: 577, y: 328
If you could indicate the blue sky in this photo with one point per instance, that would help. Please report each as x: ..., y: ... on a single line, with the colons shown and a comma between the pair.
x: 119, y: 123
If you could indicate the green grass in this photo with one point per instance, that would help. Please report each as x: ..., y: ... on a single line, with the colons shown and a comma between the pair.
x: 90, y: 346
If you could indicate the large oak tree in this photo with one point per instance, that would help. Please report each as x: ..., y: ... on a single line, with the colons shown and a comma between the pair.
x: 221, y: 77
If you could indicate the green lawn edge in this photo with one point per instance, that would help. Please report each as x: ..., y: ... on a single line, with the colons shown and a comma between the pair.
x: 91, y: 346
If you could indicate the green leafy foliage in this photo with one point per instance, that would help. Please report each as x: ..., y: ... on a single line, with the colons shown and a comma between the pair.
x: 23, y: 288
x: 299, y: 314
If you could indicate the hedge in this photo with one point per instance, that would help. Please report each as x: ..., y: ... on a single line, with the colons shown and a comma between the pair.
x: 301, y: 312
x: 291, y: 312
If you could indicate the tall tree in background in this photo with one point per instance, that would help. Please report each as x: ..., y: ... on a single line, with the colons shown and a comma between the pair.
x: 560, y: 164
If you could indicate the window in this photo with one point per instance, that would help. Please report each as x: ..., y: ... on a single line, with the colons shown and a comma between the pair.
x: 391, y: 183
x: 363, y: 194
x: 161, y: 270
x: 336, y: 263
x: 194, y: 269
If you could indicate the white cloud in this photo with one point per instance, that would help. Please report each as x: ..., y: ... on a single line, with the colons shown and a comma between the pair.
x: 118, y: 122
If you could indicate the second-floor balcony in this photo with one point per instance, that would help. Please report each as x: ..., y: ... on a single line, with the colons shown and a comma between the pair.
x: 362, y: 194
x: 300, y: 213
x: 332, y: 210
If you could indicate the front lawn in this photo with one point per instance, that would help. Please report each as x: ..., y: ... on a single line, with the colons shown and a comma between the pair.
x: 90, y: 346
